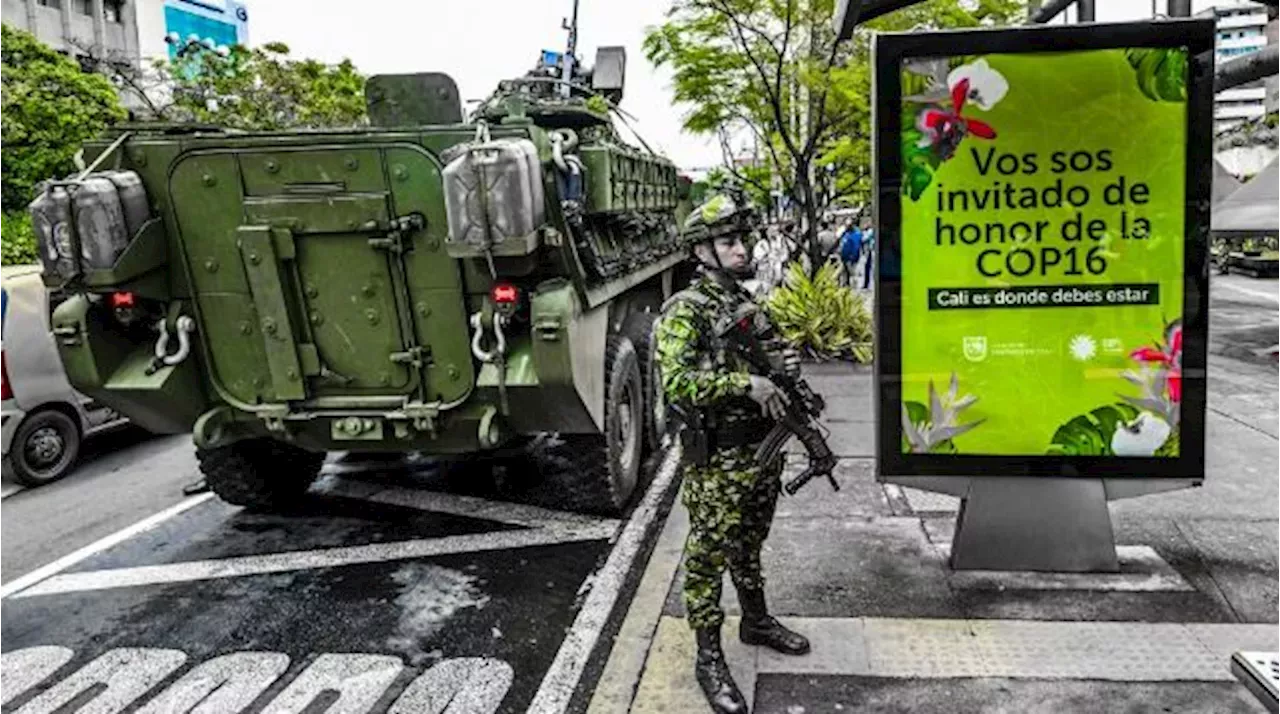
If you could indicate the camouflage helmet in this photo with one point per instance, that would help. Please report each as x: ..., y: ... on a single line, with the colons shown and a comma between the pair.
x: 718, y: 216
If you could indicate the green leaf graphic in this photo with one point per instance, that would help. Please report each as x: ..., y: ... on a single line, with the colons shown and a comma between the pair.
x: 1161, y: 73
x: 1090, y: 434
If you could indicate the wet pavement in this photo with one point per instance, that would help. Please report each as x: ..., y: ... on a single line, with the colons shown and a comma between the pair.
x: 391, y: 587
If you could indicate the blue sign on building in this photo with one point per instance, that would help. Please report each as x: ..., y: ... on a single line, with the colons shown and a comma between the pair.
x: 219, y: 22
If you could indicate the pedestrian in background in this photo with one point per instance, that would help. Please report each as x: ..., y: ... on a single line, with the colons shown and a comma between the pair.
x: 851, y: 253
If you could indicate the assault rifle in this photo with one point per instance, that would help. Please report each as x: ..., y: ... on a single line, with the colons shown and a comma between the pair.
x: 743, y: 336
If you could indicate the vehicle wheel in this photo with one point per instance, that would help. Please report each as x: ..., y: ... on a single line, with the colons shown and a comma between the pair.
x: 641, y: 328
x: 44, y: 448
x: 262, y: 474
x: 597, y: 473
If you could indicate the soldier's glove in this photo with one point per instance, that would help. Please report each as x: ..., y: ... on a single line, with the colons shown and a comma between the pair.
x: 791, y: 363
x: 771, y: 400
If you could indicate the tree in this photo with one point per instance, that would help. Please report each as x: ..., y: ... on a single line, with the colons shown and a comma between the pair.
x: 771, y: 68
x: 260, y: 88
x: 50, y: 108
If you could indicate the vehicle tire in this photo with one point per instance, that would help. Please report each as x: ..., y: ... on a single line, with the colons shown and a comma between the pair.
x: 44, y: 448
x: 598, y: 473
x: 261, y: 474
x: 641, y: 328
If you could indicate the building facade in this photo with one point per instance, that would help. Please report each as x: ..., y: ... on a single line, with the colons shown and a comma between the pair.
x: 129, y: 30
x: 1243, y: 27
x: 79, y: 27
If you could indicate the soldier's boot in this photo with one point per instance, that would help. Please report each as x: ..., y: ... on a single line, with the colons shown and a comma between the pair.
x: 759, y: 628
x: 712, y: 673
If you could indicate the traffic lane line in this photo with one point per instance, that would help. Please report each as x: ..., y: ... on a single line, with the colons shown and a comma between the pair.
x: 458, y: 505
x: 330, y: 516
x: 312, y: 559
x: 1272, y: 296
x: 39, y: 574
x: 562, y: 679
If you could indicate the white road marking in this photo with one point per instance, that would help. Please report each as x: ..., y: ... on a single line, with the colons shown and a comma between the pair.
x: 565, y: 672
x: 1274, y: 296
x: 309, y: 559
x: 359, y: 680
x: 468, y: 685
x: 120, y: 676
x: 223, y: 684
x: 26, y: 668
x: 457, y: 505
x: 98, y: 546
x: 120, y: 679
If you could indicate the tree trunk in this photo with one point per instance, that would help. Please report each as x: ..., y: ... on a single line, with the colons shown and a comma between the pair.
x: 809, y: 208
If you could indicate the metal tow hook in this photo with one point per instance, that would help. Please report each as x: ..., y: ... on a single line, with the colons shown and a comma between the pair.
x: 500, y: 340
x: 496, y: 356
x: 184, y: 326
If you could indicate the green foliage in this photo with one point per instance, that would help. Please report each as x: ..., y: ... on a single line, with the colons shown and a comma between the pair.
x: 263, y: 89
x: 1090, y: 434
x: 1161, y: 73
x: 50, y: 108
x: 757, y: 67
x: 821, y: 317
x: 17, y: 240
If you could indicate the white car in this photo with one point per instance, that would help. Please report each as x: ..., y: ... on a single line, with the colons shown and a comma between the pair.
x: 44, y: 419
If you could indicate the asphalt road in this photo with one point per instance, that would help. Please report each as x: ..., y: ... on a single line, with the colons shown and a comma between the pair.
x: 393, y: 587
x: 1243, y: 317
x: 123, y: 476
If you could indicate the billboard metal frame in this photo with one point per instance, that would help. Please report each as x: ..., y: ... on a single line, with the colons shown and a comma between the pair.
x: 1042, y: 512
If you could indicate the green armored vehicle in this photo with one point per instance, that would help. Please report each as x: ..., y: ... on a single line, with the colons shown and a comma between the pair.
x: 425, y: 284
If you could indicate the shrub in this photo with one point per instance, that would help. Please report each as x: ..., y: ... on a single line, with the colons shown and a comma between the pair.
x: 17, y: 240
x: 820, y: 317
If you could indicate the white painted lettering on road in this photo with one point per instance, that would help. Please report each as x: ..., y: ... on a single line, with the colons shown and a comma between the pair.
x: 24, y: 669
x: 468, y: 685
x: 119, y: 676
x: 224, y: 684
x: 358, y: 679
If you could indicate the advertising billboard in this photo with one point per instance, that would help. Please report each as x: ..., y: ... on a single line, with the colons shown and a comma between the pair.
x: 1043, y: 213
x: 221, y: 22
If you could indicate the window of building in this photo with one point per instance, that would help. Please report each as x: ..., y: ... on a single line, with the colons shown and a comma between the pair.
x: 84, y: 7
x: 55, y: 4
x: 114, y: 10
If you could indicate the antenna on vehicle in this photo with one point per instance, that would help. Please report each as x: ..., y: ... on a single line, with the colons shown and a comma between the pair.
x: 566, y: 62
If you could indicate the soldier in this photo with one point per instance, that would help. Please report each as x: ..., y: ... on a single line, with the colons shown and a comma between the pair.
x: 724, y: 412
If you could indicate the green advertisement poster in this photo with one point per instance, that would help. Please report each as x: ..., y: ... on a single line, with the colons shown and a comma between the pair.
x: 1042, y: 234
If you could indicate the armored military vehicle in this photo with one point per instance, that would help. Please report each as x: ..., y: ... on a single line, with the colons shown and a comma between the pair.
x: 423, y: 284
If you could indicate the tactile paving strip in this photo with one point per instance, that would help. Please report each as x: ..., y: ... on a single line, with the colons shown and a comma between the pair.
x: 1117, y: 651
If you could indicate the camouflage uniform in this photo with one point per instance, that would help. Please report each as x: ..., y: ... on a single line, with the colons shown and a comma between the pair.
x: 731, y: 499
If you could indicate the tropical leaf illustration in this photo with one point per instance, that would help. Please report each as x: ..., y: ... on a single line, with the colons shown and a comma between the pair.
x: 1161, y: 72
x: 1090, y: 434
x: 931, y: 429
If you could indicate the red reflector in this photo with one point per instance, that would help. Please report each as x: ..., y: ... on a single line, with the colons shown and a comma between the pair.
x: 121, y: 299
x: 6, y: 389
x: 504, y: 294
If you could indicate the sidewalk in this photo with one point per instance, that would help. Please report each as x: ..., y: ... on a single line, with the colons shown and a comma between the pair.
x: 863, y: 573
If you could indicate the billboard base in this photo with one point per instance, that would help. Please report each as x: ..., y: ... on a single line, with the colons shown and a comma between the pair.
x: 1038, y: 523
x: 1045, y: 524
x: 1256, y: 671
